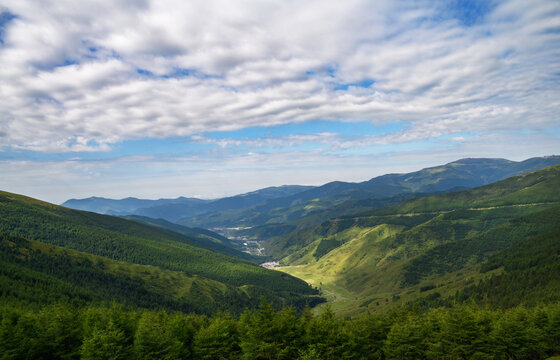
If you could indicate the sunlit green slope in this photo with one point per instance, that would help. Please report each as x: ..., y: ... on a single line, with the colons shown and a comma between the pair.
x: 392, y: 255
x: 490, y: 205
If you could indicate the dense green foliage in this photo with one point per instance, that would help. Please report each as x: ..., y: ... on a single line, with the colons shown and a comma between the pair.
x: 465, y: 332
x: 455, y: 255
x: 531, y: 274
x: 37, y: 274
x: 125, y: 240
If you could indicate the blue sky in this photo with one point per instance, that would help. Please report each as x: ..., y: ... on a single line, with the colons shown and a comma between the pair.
x: 171, y: 98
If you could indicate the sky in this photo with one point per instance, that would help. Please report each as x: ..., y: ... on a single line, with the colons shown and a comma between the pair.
x: 211, y: 98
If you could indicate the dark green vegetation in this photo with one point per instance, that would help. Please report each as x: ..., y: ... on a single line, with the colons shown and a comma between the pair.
x: 37, y: 274
x: 427, y: 247
x: 465, y: 332
x: 455, y: 255
x: 530, y: 275
x: 134, y: 243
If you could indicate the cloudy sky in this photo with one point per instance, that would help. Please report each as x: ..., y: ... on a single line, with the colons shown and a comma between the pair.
x: 163, y: 98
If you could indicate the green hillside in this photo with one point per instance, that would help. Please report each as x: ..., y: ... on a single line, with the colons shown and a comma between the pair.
x: 530, y: 276
x: 37, y: 274
x: 134, y: 243
x: 495, y: 202
x: 393, y: 255
x: 531, y: 188
x: 317, y: 216
x: 455, y: 255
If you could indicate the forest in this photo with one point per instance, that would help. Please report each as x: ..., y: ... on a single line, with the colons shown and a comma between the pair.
x: 61, y: 331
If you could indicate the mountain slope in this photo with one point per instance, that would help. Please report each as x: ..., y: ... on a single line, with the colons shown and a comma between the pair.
x: 526, y: 274
x: 346, y: 208
x: 125, y: 240
x: 532, y: 189
x: 405, y: 248
x: 38, y: 274
x: 535, y: 261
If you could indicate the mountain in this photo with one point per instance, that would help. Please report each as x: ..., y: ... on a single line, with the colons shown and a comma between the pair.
x: 429, y: 245
x: 174, y: 209
x: 457, y: 175
x: 134, y: 243
x: 37, y: 274
x: 126, y: 206
x: 278, y: 205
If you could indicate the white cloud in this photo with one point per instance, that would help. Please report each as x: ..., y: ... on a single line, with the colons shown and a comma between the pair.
x: 266, y: 63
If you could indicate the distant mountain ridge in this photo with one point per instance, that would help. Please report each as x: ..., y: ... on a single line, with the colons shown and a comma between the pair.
x: 173, y: 209
x: 457, y: 175
x: 279, y: 205
x: 124, y: 206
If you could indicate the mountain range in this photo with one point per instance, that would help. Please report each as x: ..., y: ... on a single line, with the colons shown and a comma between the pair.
x: 457, y: 175
x: 280, y: 205
x: 175, y: 209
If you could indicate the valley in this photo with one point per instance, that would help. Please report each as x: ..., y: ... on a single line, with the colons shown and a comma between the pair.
x: 384, y: 258
x: 487, y: 251
x: 280, y: 180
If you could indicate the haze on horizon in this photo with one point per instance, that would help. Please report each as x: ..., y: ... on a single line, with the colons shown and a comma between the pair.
x: 169, y: 98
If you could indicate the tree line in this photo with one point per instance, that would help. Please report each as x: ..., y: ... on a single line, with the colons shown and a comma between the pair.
x: 62, y: 331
